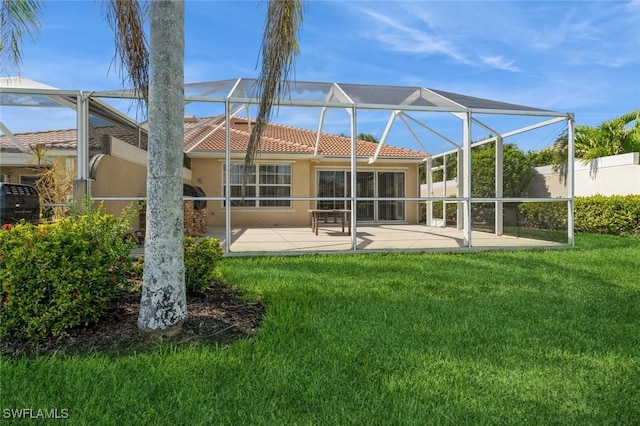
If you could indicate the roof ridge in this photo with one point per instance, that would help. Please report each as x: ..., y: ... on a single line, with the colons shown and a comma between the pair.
x: 277, y: 137
x: 36, y: 132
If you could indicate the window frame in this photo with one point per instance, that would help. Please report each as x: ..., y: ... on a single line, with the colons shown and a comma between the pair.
x: 375, y: 205
x: 34, y: 179
x: 259, y: 181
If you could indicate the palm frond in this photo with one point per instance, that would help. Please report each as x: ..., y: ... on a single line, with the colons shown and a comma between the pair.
x: 279, y: 49
x: 126, y: 18
x: 17, y: 18
x: 630, y: 117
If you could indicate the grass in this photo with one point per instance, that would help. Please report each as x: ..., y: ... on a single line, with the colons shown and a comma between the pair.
x: 525, y: 337
x: 537, y: 234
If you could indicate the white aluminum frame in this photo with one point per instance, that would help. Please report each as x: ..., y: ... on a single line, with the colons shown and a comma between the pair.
x: 338, y: 97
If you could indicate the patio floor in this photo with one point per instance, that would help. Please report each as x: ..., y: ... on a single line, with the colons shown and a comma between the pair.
x: 389, y: 237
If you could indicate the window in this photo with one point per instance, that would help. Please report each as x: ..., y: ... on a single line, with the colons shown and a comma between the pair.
x: 272, y: 181
x: 28, y: 179
x: 3, y: 178
x: 334, y: 184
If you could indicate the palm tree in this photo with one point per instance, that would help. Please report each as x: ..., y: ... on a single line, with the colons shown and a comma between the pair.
x: 620, y: 135
x: 612, y: 137
x: 158, y: 76
x: 279, y: 48
x: 367, y: 137
x: 163, y: 304
x: 17, y: 17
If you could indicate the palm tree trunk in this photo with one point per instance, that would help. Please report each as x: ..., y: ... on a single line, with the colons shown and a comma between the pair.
x: 163, y: 306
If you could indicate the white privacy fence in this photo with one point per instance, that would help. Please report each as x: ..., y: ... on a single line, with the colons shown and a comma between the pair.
x: 614, y: 175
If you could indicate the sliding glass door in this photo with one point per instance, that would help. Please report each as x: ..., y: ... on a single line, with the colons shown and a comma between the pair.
x: 331, y: 184
x: 369, y: 184
x: 366, y: 188
x: 390, y: 185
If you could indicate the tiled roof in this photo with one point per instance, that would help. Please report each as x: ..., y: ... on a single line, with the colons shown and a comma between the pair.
x: 53, y: 139
x: 66, y: 139
x: 208, y: 136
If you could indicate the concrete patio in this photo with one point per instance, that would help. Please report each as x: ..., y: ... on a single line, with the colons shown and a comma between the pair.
x: 389, y: 237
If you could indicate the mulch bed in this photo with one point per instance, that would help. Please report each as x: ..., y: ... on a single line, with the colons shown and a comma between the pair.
x: 217, y: 317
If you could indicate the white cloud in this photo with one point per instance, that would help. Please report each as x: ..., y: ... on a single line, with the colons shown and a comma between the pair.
x: 397, y: 34
x: 500, y: 63
x: 416, y: 29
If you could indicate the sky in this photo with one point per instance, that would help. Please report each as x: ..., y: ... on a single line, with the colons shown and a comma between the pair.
x: 581, y: 57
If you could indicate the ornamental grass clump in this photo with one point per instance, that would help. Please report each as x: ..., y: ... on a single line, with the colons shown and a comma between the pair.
x: 61, y: 275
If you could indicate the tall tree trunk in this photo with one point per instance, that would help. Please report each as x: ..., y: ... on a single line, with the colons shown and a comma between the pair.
x: 163, y: 306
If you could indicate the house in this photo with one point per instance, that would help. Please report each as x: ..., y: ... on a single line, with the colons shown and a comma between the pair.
x: 292, y: 166
x: 297, y: 170
x: 289, y: 168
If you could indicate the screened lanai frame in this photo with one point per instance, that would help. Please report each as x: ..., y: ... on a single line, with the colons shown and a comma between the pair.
x: 238, y: 94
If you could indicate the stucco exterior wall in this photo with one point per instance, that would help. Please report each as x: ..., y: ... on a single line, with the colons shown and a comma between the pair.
x: 12, y: 173
x: 116, y: 177
x: 440, y: 190
x: 207, y: 173
x: 614, y: 175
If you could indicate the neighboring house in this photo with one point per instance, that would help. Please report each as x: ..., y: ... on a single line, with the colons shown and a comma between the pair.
x: 122, y: 170
x: 19, y: 165
x: 293, y: 165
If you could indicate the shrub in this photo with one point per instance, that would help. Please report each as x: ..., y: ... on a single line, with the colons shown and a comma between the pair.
x: 545, y: 215
x: 618, y: 215
x: 201, y: 259
x: 452, y: 211
x: 61, y: 275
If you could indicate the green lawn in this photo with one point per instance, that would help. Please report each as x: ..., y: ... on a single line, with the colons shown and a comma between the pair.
x: 526, y: 337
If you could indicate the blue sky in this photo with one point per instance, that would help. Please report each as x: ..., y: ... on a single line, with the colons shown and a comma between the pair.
x: 581, y: 57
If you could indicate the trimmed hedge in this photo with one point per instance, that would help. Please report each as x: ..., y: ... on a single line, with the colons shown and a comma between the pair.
x: 545, y: 215
x: 616, y: 215
x: 61, y: 275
